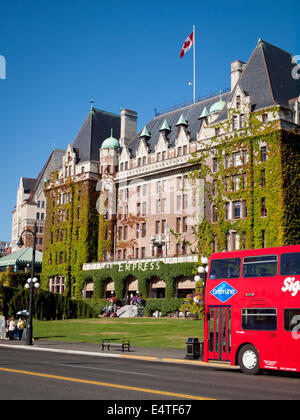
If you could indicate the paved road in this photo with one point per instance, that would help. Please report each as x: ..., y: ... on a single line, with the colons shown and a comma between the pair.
x: 54, y: 376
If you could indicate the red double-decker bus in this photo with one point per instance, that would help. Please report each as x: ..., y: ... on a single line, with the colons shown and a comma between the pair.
x: 252, y: 309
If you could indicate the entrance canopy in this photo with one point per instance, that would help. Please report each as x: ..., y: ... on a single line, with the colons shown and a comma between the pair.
x: 19, y: 260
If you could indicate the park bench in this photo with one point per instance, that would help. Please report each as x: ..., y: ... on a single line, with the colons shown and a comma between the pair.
x: 191, y: 316
x: 108, y: 343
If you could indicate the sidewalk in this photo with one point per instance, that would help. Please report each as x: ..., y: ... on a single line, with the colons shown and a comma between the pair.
x: 93, y: 349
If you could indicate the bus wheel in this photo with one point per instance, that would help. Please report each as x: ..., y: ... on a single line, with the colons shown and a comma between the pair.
x: 249, y: 360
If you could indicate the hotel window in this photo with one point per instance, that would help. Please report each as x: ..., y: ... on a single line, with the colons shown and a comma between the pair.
x: 144, y: 160
x: 236, y: 159
x: 214, y: 188
x: 235, y: 183
x: 179, y: 151
x: 145, y: 189
x: 179, y: 183
x: 37, y: 216
x: 164, y: 205
x: 164, y: 185
x: 185, y: 150
x: 138, y: 190
x: 138, y: 209
x: 121, y: 167
x: 264, y: 212
x: 38, y: 204
x: 125, y: 233
x: 263, y: 154
x: 158, y: 206
x: 245, y: 156
x: 120, y: 231
x: 126, y: 166
x: 184, y: 224
x: 164, y: 155
x: 139, y: 162
x: 178, y: 224
x: 235, y: 242
x: 238, y: 102
x: 214, y: 214
x: 244, y: 181
x: 158, y: 186
x: 185, y: 182
x: 242, y: 121
x: 244, y: 207
x: 264, y: 118
x: 144, y: 230
x: 178, y: 249
x: 158, y: 157
x: 215, y: 164
x: 185, y: 201
x: 236, y: 209
x: 143, y: 252
x: 163, y: 226
x: 235, y: 123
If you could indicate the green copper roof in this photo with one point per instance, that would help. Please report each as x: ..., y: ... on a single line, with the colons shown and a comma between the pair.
x: 204, y: 113
x: 181, y: 121
x: 21, y: 257
x: 145, y: 132
x: 165, y: 126
x: 217, y: 106
x: 111, y: 143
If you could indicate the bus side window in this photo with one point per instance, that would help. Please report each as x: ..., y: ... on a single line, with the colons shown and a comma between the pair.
x: 290, y: 264
x: 292, y: 320
x: 260, y: 266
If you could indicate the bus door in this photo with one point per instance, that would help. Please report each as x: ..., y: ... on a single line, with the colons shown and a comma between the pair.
x: 219, y: 327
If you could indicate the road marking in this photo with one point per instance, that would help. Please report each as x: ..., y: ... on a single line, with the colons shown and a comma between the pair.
x: 104, y: 384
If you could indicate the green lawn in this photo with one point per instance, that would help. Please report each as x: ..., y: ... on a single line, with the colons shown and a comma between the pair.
x: 142, y: 332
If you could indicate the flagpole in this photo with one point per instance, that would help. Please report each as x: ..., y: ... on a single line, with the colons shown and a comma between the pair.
x: 194, y: 55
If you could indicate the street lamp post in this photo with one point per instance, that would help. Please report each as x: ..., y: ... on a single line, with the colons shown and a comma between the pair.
x: 31, y: 284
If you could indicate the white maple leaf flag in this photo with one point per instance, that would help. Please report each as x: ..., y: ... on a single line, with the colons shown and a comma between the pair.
x: 187, y: 45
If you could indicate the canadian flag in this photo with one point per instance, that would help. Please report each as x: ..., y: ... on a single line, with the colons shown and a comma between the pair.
x: 187, y: 45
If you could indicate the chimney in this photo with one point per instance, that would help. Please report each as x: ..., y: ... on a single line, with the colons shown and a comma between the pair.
x: 128, y: 125
x: 237, y: 68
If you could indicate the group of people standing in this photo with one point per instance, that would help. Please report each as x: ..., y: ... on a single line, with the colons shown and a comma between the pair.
x: 15, y: 330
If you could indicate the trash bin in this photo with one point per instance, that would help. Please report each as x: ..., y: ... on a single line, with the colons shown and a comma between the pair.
x: 193, y: 348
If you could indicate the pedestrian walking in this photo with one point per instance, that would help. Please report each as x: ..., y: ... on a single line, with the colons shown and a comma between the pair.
x: 20, y: 327
x: 11, y: 328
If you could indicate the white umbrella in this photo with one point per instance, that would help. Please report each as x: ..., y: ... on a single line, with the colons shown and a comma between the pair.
x: 25, y: 312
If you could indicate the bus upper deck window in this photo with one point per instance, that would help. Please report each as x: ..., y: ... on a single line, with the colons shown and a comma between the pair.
x: 290, y: 264
x: 227, y: 268
x: 260, y: 266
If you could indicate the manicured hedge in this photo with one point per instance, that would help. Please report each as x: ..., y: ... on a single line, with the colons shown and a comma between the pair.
x: 46, y: 305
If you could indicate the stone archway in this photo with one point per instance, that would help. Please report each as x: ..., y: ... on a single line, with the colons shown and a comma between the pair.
x: 109, y: 288
x: 157, y: 288
x: 185, y: 286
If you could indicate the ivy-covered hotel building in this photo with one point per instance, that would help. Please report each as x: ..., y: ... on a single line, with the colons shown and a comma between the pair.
x: 131, y: 212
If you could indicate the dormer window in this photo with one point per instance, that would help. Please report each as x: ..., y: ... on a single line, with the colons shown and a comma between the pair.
x: 238, y: 102
x: 264, y: 118
x: 235, y: 123
x: 242, y: 120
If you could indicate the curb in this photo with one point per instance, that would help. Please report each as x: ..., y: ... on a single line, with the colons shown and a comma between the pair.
x: 125, y: 356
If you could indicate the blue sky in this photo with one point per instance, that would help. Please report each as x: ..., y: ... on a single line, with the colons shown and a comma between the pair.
x: 59, y: 53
